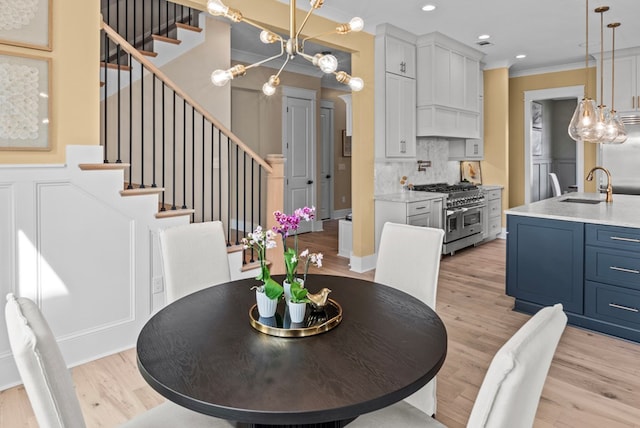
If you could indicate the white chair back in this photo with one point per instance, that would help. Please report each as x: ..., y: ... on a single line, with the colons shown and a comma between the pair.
x: 41, y: 366
x: 409, y: 260
x: 511, y: 389
x: 555, y: 184
x: 194, y: 256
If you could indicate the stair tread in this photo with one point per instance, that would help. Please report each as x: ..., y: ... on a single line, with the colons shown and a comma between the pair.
x: 148, y: 53
x: 142, y: 191
x: 188, y: 27
x: 165, y: 39
x: 116, y: 66
x: 175, y: 213
x: 102, y: 166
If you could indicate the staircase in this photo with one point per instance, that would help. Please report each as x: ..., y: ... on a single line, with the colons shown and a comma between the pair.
x: 163, y: 139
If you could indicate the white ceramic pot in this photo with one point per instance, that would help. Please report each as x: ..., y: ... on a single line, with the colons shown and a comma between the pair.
x: 287, y: 289
x: 266, y: 306
x: 297, y: 311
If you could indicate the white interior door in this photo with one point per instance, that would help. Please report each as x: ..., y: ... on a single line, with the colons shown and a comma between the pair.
x: 299, y: 151
x: 326, y: 168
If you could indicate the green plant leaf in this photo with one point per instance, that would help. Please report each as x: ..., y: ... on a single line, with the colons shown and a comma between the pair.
x: 272, y: 289
x: 298, y: 293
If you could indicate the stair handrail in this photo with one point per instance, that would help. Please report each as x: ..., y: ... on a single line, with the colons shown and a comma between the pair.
x: 126, y: 46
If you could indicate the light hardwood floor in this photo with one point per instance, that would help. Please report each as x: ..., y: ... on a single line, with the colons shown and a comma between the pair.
x: 594, y: 380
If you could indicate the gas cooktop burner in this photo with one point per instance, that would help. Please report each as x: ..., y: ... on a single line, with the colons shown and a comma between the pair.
x: 445, y: 187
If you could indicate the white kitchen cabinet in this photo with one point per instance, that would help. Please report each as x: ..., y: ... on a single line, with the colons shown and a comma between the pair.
x: 400, y: 116
x: 400, y: 57
x: 395, y: 87
x: 492, y: 221
x: 448, y: 88
x: 627, y: 83
x: 408, y: 209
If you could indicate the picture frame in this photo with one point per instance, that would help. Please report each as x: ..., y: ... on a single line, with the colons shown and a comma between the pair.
x: 33, y: 30
x: 25, y: 116
x: 536, y: 142
x: 470, y: 171
x: 346, y: 144
x: 536, y: 115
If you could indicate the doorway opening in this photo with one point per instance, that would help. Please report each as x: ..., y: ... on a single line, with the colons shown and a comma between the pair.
x: 547, y: 145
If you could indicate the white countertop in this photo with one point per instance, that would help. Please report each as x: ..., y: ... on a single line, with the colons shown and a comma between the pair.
x: 409, y: 196
x: 624, y: 211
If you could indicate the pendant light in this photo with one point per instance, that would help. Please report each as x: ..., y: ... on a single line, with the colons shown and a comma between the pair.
x: 603, y: 115
x: 615, y: 132
x: 582, y: 126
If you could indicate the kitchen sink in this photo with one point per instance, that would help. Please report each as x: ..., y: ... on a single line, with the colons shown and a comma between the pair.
x: 581, y: 201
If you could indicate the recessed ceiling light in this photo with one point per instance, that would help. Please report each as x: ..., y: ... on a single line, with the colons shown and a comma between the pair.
x: 521, y: 56
x: 484, y: 37
x: 428, y: 7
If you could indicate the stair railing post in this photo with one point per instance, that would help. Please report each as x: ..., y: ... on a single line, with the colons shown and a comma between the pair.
x: 275, y: 202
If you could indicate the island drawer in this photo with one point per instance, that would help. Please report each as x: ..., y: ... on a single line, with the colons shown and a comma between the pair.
x: 623, y: 238
x: 612, y: 304
x: 612, y: 266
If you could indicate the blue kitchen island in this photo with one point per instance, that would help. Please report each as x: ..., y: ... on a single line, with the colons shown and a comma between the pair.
x: 580, y: 251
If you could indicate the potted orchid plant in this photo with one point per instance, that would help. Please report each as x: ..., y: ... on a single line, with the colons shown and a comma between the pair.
x: 269, y: 292
x: 288, y: 225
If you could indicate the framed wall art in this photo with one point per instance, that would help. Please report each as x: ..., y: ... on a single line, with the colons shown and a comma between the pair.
x: 346, y: 144
x: 26, y: 23
x: 25, y: 121
x: 536, y: 142
x: 536, y: 115
x: 470, y: 171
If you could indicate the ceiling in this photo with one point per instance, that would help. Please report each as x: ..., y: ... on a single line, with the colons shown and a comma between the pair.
x: 550, y: 33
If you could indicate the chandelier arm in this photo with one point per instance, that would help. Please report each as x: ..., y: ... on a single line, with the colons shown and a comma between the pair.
x: 283, y: 65
x: 259, y: 63
x: 260, y: 27
x: 316, y: 36
x: 304, y: 22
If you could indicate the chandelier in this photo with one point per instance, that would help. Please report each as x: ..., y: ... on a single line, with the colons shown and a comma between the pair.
x: 591, y: 123
x: 289, y: 48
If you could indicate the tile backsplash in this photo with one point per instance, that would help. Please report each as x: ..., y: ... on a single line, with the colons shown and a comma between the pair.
x: 389, y: 172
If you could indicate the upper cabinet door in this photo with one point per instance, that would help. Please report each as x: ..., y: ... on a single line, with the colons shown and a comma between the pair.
x: 625, y: 84
x: 400, y: 57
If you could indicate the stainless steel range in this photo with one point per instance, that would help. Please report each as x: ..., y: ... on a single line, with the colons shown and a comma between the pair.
x: 462, y: 214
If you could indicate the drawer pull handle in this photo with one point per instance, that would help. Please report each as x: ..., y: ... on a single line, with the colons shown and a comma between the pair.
x: 617, y: 238
x: 626, y: 308
x: 624, y: 270
x: 421, y: 208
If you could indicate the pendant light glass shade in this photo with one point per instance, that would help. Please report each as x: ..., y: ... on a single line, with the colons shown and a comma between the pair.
x: 583, y: 123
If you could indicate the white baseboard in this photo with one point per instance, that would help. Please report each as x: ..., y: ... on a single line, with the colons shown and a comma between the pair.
x: 363, y: 264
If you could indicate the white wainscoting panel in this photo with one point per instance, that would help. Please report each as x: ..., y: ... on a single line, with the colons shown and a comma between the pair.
x: 81, y: 251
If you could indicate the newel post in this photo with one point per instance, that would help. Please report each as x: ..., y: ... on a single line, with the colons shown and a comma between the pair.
x: 275, y: 202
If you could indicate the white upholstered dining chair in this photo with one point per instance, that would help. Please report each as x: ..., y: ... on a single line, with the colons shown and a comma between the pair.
x: 510, y: 392
x: 194, y: 256
x: 48, y: 381
x: 409, y: 260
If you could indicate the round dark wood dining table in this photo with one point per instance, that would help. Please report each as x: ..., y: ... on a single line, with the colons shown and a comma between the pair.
x: 202, y: 353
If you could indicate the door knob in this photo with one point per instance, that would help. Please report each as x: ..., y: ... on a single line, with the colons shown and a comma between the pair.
x: 328, y: 176
x: 310, y: 182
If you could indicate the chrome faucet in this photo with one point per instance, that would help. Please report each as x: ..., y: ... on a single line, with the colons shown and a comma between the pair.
x: 609, y: 197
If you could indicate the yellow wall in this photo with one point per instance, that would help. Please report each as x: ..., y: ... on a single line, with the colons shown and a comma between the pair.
x: 75, y: 90
x: 517, y: 88
x: 495, y: 166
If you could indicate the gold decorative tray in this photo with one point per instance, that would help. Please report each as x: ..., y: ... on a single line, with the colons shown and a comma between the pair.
x: 315, y: 322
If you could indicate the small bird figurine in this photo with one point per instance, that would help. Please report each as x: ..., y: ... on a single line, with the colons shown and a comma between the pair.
x: 319, y: 300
